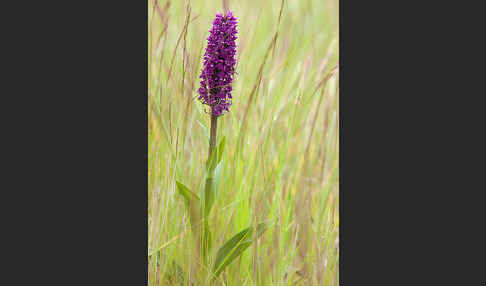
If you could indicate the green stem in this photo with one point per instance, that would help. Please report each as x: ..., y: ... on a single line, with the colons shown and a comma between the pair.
x: 212, y: 136
x: 208, y: 194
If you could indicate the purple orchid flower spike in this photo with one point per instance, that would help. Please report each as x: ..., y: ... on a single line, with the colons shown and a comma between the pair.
x: 219, y: 65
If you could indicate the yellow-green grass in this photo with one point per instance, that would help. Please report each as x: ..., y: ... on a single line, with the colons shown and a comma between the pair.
x: 280, y: 162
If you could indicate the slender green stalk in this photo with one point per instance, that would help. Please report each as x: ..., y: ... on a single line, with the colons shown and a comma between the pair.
x: 208, y: 194
x: 212, y: 136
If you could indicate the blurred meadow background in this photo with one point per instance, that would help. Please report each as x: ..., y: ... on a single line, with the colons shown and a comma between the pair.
x: 280, y: 163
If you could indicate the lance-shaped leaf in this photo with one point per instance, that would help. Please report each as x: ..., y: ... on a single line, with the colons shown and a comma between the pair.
x: 192, y: 203
x: 235, y: 246
x: 186, y: 193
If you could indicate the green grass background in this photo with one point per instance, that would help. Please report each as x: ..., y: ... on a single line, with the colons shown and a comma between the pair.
x: 285, y: 170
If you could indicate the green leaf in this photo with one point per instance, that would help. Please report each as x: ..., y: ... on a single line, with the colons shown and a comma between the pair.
x: 192, y: 205
x: 235, y: 246
x: 208, y: 196
x: 232, y: 249
x: 186, y: 193
x: 211, y: 164
x: 213, y: 174
x: 215, y: 157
